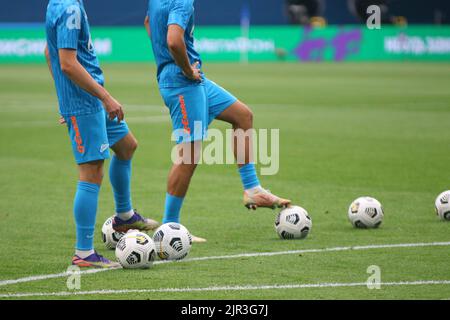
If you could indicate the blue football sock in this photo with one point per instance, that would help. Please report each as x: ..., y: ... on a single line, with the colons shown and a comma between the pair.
x: 85, y: 212
x: 172, y: 208
x: 120, y: 177
x: 248, y: 176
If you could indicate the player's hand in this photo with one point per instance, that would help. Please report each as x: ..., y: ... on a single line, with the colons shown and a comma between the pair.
x: 113, y: 107
x: 195, y: 73
x: 62, y: 120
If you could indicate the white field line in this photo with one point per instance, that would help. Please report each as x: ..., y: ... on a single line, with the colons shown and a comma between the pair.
x: 237, y: 256
x: 276, y: 253
x: 223, y: 288
x: 47, y: 276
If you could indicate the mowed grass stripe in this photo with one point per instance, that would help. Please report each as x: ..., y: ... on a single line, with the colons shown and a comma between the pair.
x: 237, y: 256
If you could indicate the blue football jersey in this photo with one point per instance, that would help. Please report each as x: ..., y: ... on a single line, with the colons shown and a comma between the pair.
x: 163, y: 13
x: 67, y: 27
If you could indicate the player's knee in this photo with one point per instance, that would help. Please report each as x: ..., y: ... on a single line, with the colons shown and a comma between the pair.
x: 97, y: 174
x: 132, y: 147
x: 245, y: 120
x: 92, y: 172
x: 125, y: 151
x: 97, y: 177
x: 249, y: 116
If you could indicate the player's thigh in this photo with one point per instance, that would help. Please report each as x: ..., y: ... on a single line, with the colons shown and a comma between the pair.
x: 120, y: 138
x: 125, y: 147
x: 115, y: 130
x: 238, y: 114
x: 188, y: 111
x: 219, y: 99
x: 88, y: 137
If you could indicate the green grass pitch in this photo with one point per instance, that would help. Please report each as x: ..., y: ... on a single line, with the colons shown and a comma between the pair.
x: 346, y: 130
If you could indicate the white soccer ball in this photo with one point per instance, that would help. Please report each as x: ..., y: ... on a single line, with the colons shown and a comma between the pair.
x: 135, y: 250
x: 110, y: 237
x: 366, y: 212
x: 173, y: 241
x: 443, y: 205
x: 293, y: 223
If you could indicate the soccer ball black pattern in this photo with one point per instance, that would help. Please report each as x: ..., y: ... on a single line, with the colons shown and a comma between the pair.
x: 286, y: 235
x: 277, y: 220
x: 176, y: 244
x: 158, y: 236
x: 121, y: 245
x: 152, y: 256
x: 141, y: 239
x: 371, y: 212
x: 134, y: 258
x: 174, y: 226
x: 445, y: 198
x: 163, y: 255
x: 136, y: 250
x: 442, y: 205
x: 293, y: 218
x: 366, y: 212
x: 110, y: 237
x: 293, y: 223
x: 359, y: 224
x: 172, y: 241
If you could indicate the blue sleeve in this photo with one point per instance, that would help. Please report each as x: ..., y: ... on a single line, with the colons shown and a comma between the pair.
x: 68, y: 27
x: 181, y: 12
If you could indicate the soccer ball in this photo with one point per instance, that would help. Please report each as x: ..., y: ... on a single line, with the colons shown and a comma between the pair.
x: 366, y: 212
x: 443, y: 205
x: 293, y: 223
x: 135, y: 250
x: 173, y: 241
x: 110, y: 237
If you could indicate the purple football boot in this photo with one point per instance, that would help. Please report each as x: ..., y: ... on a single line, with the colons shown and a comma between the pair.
x: 94, y: 261
x: 136, y: 222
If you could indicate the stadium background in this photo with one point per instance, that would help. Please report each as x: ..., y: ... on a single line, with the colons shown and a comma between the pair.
x: 264, y: 12
x: 415, y: 31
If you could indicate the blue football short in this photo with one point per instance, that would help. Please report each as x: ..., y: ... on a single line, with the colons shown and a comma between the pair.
x: 193, y: 108
x: 92, y: 135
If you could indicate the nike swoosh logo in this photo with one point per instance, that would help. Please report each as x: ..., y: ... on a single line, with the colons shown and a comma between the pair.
x: 103, y: 147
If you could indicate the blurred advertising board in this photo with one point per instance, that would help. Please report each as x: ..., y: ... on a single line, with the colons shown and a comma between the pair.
x: 263, y: 43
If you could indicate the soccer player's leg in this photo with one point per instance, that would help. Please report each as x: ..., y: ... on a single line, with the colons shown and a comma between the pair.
x: 188, y: 111
x: 88, y: 134
x: 124, y: 144
x: 224, y: 106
